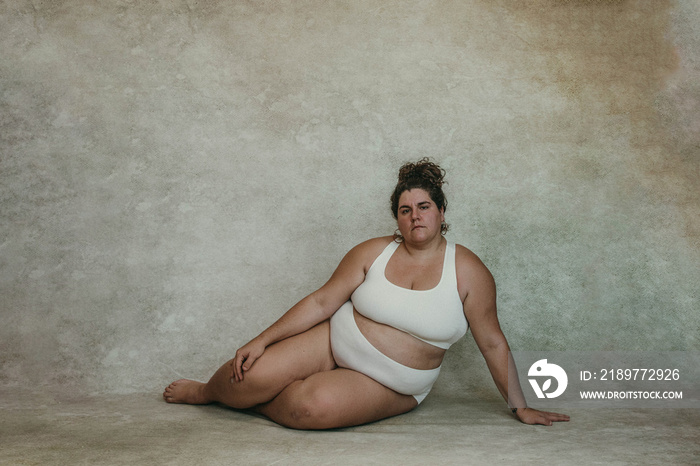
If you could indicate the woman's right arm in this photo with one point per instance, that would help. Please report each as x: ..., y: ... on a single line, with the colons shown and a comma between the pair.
x: 316, y: 307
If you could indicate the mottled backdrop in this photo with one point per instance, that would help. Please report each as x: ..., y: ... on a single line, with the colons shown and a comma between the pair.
x: 175, y: 174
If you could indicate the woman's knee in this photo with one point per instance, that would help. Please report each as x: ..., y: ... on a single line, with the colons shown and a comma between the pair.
x: 307, y: 406
x: 255, y: 388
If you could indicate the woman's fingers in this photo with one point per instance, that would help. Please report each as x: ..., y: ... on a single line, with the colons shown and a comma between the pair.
x: 244, y: 359
x: 237, y: 366
x: 558, y: 417
x: 533, y: 416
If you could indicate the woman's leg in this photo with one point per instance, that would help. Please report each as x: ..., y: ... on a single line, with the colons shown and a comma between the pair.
x: 336, y: 398
x: 295, y: 358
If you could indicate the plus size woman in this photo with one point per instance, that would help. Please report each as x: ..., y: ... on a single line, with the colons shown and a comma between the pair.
x: 369, y: 343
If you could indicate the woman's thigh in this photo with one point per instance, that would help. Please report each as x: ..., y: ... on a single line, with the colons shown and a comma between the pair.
x: 335, y: 398
x: 289, y: 360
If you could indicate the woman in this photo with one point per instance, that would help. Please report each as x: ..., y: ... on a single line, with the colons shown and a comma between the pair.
x: 369, y: 343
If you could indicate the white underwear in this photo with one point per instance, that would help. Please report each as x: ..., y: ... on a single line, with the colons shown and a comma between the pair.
x: 351, y: 350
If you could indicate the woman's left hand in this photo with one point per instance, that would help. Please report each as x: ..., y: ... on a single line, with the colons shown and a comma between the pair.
x: 533, y: 416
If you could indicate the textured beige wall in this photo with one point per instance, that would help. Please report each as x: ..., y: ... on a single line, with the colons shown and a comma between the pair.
x: 176, y: 174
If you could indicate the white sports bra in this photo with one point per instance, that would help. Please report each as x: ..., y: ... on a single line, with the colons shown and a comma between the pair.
x: 435, y: 316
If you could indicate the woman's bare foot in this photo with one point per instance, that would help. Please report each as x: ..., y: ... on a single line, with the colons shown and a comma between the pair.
x: 186, y: 391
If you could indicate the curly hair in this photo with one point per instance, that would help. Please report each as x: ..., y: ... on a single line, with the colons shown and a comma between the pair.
x: 424, y: 175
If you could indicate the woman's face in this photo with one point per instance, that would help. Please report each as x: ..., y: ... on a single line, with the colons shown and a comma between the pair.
x: 418, y: 217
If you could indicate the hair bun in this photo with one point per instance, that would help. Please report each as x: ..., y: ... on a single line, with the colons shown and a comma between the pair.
x: 424, y: 170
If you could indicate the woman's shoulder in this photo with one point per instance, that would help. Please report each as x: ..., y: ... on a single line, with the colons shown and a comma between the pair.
x: 468, y: 264
x: 367, y: 251
x: 465, y: 254
x: 373, y: 246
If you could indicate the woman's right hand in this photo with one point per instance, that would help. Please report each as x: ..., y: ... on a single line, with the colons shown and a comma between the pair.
x: 245, y: 358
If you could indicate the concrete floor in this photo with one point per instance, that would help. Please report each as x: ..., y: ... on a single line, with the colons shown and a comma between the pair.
x: 142, y: 429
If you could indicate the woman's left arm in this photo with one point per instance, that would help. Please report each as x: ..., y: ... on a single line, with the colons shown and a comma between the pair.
x: 480, y: 311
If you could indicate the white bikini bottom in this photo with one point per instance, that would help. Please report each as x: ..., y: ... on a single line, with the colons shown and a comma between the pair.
x: 352, y: 350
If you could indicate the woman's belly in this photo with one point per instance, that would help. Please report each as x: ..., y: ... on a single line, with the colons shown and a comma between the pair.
x: 399, y: 345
